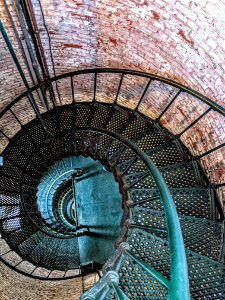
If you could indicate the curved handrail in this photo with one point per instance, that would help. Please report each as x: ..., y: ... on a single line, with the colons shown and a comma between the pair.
x: 179, y: 286
x: 215, y: 106
x: 165, y: 194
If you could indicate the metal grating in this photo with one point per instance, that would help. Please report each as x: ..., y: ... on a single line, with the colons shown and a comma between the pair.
x: 16, y: 156
x: 151, y: 139
x: 194, y: 202
x: 199, y: 234
x: 206, y: 276
x: 66, y: 119
x: 117, y: 120
x: 9, y: 184
x: 167, y: 154
x: 82, y: 115
x: 178, y: 175
x: 9, y: 198
x: 100, y: 116
x: 137, y: 283
x: 134, y: 128
x: 184, y: 179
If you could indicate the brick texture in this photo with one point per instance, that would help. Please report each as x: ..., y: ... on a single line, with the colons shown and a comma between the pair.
x: 178, y: 39
x: 15, y: 286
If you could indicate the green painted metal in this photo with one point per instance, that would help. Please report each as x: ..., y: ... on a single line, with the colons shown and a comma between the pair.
x: 179, y: 286
x: 92, y: 198
x: 203, y: 271
x: 161, y: 279
x: 149, y: 228
x: 164, y: 195
x: 119, y: 293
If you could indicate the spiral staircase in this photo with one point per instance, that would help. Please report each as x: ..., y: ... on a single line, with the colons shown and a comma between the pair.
x: 87, y: 171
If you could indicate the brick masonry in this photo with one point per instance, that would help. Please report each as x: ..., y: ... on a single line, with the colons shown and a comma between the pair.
x: 178, y: 39
x: 15, y: 286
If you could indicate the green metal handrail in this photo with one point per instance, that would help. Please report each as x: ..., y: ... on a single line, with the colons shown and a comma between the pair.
x: 179, y: 284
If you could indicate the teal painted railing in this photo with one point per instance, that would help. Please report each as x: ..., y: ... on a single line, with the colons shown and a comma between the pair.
x: 179, y: 284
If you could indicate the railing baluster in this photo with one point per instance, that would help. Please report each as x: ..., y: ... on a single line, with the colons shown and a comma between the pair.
x: 142, y: 96
x: 118, y: 91
x: 72, y: 88
x: 195, y: 121
x: 210, y: 151
x: 8, y: 138
x: 168, y: 106
x: 16, y: 117
x: 95, y: 87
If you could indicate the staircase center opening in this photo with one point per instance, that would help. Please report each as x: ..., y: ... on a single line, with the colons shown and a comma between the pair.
x: 79, y: 193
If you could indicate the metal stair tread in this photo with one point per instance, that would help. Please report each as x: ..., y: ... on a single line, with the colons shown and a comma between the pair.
x: 194, y: 201
x: 158, y: 248
x: 172, y: 176
x: 200, y: 235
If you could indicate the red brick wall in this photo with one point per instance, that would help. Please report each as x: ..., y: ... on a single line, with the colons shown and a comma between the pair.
x: 178, y: 39
x: 183, y: 40
x: 11, y: 84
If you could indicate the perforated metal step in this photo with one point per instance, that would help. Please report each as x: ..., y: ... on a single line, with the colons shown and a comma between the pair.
x: 194, y: 202
x: 184, y: 174
x: 137, y: 283
x: 206, y: 275
x: 200, y: 235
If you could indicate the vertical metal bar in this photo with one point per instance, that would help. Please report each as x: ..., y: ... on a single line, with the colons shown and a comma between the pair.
x: 210, y: 151
x: 50, y: 47
x: 36, y: 32
x: 72, y: 88
x: 16, y: 117
x: 31, y: 59
x: 142, y: 96
x: 7, y: 41
x: 16, y: 34
x: 95, y: 86
x: 118, y: 91
x: 8, y: 138
x: 33, y: 270
x: 168, y: 106
x: 194, y: 122
x: 75, y: 201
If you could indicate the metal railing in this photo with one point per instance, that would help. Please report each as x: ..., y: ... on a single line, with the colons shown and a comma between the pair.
x: 179, y: 286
